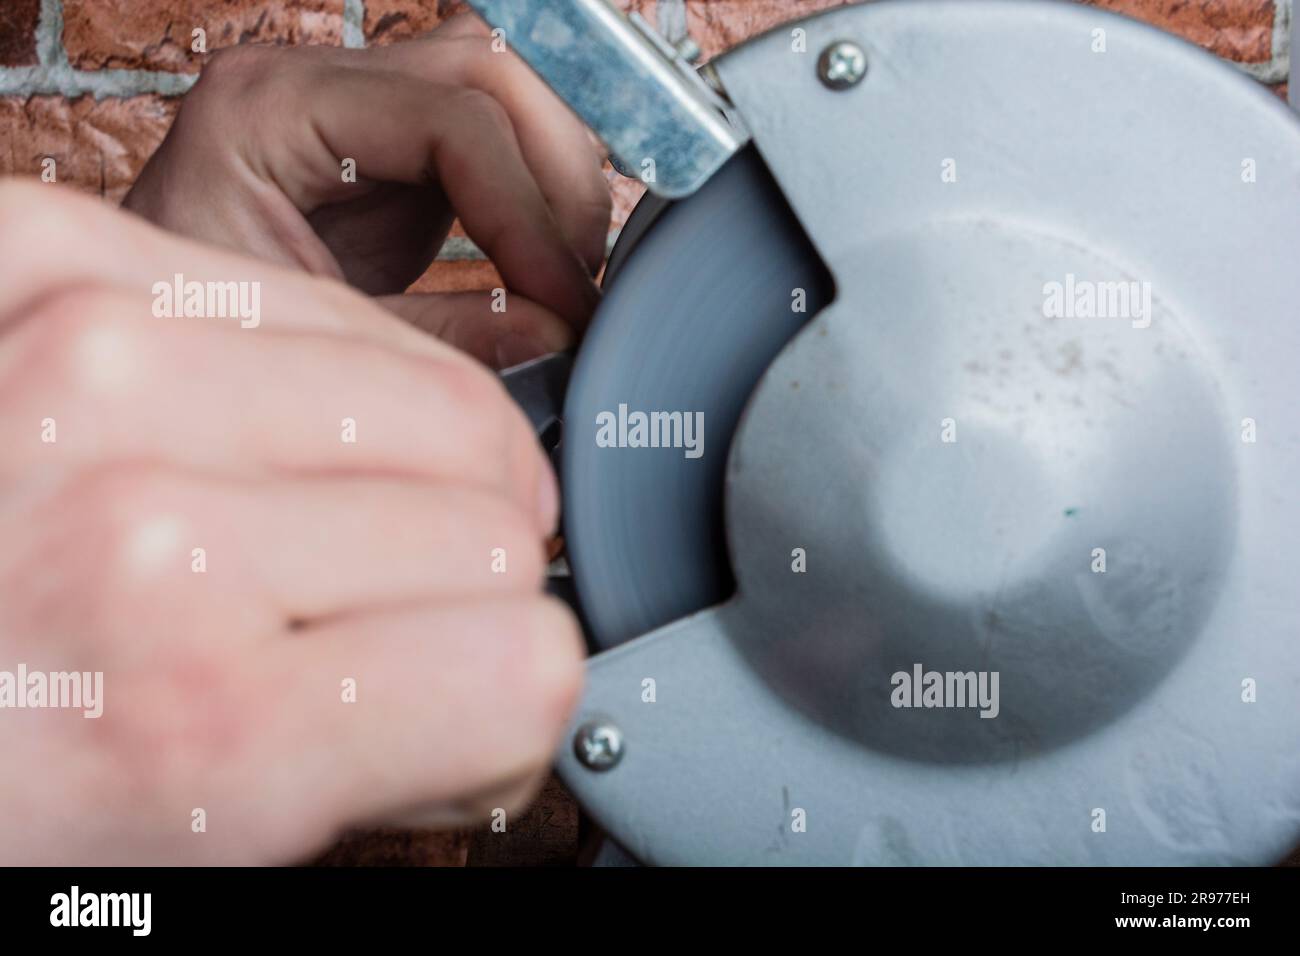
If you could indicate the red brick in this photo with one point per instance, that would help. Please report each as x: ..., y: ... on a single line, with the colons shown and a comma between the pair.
x: 134, y: 34
x: 1240, y: 30
x: 471, y: 275
x: 1237, y: 29
x: 98, y: 147
x: 18, y: 19
x: 718, y: 25
x: 626, y: 194
x: 390, y: 20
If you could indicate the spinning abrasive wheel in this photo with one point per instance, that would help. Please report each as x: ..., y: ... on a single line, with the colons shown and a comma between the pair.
x: 1038, y: 426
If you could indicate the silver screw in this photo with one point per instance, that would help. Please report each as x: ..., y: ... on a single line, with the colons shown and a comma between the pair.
x: 598, y: 744
x: 842, y: 64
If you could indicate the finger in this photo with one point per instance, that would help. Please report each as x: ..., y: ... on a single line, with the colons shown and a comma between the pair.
x: 555, y: 143
x: 462, y: 139
x: 286, y: 551
x: 102, y: 246
x: 500, y: 337
x: 385, y: 238
x: 329, y: 546
x: 453, y: 700
x: 253, y: 403
x: 197, y: 184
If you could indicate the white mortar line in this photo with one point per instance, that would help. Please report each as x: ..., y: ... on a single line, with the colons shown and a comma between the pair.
x: 354, y: 24
x: 49, y: 34
x: 54, y: 74
x: 1286, y: 44
x: 64, y: 81
x: 1276, y: 69
x: 463, y: 249
x: 459, y: 249
x: 670, y: 17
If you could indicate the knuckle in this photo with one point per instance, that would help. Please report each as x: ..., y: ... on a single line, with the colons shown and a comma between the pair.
x: 124, y: 492
x: 66, y: 338
x: 67, y: 315
x: 253, y: 84
x: 118, y: 553
x: 190, y: 708
x: 233, y: 79
x: 23, y: 198
x: 39, y: 217
x: 236, y: 68
x: 125, y: 519
x: 486, y: 107
x: 485, y: 123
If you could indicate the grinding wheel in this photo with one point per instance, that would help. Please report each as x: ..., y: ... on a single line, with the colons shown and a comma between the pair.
x: 696, y: 307
x: 1101, y: 509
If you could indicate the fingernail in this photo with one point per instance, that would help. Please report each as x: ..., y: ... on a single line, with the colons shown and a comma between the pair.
x: 548, y: 500
x: 556, y: 673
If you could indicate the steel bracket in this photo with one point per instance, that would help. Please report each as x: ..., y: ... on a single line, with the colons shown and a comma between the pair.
x: 661, y: 122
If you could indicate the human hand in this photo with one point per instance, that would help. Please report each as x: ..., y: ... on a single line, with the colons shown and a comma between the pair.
x: 437, y: 127
x: 182, y: 512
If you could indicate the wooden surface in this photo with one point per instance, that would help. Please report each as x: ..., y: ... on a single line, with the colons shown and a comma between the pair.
x: 546, y: 834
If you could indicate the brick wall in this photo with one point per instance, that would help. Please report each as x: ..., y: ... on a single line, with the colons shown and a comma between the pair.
x: 96, y: 83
